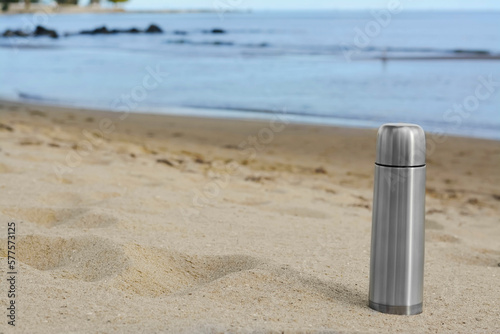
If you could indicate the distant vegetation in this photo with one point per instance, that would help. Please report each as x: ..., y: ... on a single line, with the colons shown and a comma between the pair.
x: 5, y: 3
x: 113, y: 1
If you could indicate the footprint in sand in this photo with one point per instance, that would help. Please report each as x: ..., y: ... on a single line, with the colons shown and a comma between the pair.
x: 432, y: 235
x: 476, y: 257
x: 71, y: 199
x: 30, y: 142
x: 435, y: 236
x: 61, y: 198
x: 433, y: 225
x: 37, y: 113
x: 5, y: 127
x: 154, y: 272
x: 4, y: 169
x: 69, y: 217
x: 133, y: 268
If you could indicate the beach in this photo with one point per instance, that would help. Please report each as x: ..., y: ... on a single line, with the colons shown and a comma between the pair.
x: 129, y: 223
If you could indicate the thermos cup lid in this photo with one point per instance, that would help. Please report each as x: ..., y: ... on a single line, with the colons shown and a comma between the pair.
x: 401, y: 145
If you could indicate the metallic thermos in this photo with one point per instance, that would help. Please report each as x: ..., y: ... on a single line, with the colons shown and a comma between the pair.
x: 397, y: 249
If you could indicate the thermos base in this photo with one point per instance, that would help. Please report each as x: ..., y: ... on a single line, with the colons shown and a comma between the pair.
x: 400, y: 310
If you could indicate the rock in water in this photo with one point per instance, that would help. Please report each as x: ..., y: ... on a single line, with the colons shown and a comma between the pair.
x: 132, y: 31
x: 96, y: 31
x: 152, y: 29
x: 42, y: 31
x: 14, y: 33
x: 214, y: 31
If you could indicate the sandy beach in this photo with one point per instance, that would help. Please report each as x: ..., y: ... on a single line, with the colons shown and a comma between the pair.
x: 136, y: 223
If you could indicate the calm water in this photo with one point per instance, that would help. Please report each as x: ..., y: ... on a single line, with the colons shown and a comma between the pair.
x: 267, y: 62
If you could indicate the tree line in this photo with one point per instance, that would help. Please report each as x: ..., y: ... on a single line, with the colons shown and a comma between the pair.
x: 5, y: 3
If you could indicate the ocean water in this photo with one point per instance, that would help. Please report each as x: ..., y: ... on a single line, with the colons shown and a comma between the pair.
x: 317, y: 67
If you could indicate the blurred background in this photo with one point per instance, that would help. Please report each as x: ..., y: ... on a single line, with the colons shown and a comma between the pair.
x: 350, y: 63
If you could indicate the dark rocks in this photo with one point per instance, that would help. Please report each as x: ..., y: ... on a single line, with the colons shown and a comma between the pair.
x: 39, y: 31
x: 14, y: 33
x: 154, y: 29
x: 132, y: 31
x: 97, y: 31
x: 215, y: 31
x: 105, y: 31
x: 42, y: 31
x: 151, y: 29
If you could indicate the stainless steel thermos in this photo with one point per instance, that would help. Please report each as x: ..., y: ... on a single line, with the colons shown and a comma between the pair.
x: 398, y: 222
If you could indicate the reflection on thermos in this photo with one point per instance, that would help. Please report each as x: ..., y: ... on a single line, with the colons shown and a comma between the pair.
x: 397, y: 249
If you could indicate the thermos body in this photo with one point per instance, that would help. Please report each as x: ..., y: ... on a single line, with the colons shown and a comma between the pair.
x: 398, y: 222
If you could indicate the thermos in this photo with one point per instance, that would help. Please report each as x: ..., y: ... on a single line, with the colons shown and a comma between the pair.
x: 398, y: 222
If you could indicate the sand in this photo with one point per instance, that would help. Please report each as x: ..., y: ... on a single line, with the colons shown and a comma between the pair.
x: 176, y: 224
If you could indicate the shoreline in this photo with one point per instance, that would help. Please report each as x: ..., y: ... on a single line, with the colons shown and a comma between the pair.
x: 212, y: 225
x: 251, y: 115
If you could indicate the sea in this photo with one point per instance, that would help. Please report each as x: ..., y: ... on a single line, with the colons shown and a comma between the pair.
x: 345, y: 68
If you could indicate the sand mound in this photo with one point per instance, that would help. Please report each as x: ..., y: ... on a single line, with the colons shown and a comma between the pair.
x: 154, y: 272
x: 132, y: 268
x: 71, y: 217
x: 84, y: 258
